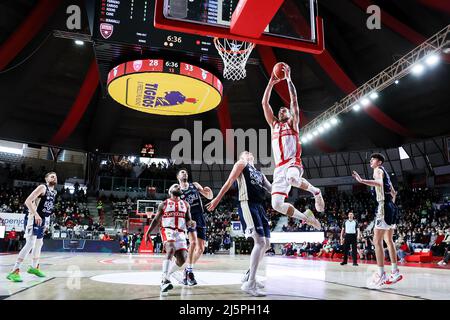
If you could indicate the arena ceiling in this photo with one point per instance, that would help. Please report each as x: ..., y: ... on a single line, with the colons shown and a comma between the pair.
x: 51, y: 92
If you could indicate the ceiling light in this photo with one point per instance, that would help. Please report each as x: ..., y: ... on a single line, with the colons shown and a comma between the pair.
x: 418, y: 69
x: 432, y: 60
x: 356, y: 107
x: 373, y: 95
x: 365, y: 102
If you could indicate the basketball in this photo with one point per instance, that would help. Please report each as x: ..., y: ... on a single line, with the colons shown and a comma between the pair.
x: 278, y: 71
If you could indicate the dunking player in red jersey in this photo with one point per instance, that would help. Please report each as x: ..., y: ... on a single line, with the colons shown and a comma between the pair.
x: 287, y: 152
x: 174, y: 217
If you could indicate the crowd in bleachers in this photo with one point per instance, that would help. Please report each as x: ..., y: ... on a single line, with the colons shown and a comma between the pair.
x: 23, y: 172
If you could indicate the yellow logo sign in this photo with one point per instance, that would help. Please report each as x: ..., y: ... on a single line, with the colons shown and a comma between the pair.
x: 164, y: 93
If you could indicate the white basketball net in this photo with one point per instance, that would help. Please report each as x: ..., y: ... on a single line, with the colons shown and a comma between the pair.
x: 234, y: 55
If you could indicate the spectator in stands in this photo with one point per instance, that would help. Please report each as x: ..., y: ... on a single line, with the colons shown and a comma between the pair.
x: 133, y: 242
x: 327, y: 247
x: 271, y: 251
x: 125, y: 242
x: 446, y: 242
x: 402, y: 250
x: 12, y: 240
x: 226, y: 242
x: 138, y: 243
x: 369, y: 248
x: 444, y: 261
x: 438, y: 247
x: 157, y: 243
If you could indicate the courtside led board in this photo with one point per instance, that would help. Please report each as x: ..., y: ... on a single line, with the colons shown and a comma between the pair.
x: 164, y: 87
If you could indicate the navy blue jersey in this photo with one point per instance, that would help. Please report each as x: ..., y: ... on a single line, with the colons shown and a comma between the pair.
x: 251, y: 185
x: 383, y: 193
x: 192, y: 196
x: 46, y: 202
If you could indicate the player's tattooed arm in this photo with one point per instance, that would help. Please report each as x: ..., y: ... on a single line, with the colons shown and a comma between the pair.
x: 31, y: 204
x: 294, y: 108
x: 155, y: 222
x: 234, y: 174
x: 268, y: 112
x: 204, y: 191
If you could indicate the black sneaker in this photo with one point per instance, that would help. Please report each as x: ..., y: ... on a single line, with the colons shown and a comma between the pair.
x: 343, y: 263
x: 166, y: 285
x: 355, y: 264
x: 185, y: 278
x: 191, y: 279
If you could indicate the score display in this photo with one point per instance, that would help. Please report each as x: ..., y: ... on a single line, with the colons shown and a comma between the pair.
x: 131, y: 22
x: 148, y: 151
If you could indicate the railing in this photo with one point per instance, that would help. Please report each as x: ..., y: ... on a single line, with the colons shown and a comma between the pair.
x: 133, y: 184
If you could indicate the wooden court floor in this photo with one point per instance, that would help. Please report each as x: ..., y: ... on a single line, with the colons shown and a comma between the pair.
x: 136, y: 277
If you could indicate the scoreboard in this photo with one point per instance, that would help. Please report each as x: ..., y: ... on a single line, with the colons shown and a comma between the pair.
x: 131, y: 22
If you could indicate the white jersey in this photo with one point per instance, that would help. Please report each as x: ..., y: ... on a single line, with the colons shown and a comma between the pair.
x: 174, y: 214
x: 285, y: 144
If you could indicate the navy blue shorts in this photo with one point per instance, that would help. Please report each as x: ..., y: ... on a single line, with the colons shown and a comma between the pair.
x: 259, y: 216
x: 391, y: 213
x: 34, y: 229
x: 200, y: 220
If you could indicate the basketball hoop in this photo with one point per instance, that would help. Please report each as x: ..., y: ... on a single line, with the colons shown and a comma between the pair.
x: 234, y: 55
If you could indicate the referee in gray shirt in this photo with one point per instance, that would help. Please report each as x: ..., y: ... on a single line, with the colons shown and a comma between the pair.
x: 351, y: 230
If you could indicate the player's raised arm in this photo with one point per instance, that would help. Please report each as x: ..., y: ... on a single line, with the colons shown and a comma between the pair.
x: 268, y: 112
x: 204, y: 191
x: 377, y: 175
x: 154, y: 222
x: 31, y: 205
x: 267, y: 184
x: 294, y: 108
x: 234, y: 174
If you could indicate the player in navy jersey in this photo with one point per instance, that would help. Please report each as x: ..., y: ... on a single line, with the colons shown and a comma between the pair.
x: 40, y: 204
x: 252, y: 186
x: 385, y: 221
x: 191, y: 192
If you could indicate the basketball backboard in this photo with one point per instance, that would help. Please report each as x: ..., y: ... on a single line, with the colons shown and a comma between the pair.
x: 291, y: 24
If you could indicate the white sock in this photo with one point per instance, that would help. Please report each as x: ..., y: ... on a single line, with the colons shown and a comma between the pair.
x: 36, y: 252
x: 380, y: 271
x: 173, y: 267
x: 394, y: 267
x: 165, y: 269
x: 299, y: 215
x: 17, y: 265
x: 190, y: 267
